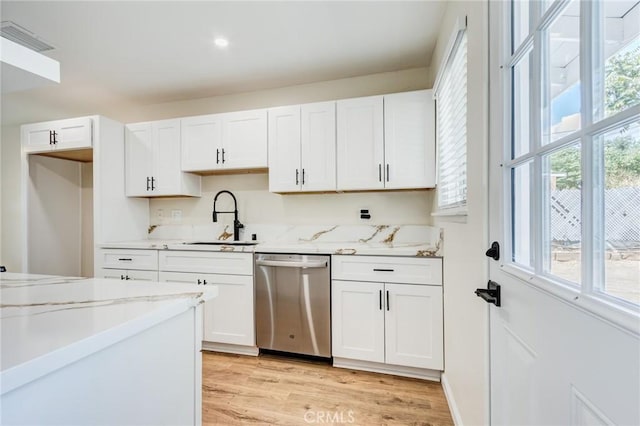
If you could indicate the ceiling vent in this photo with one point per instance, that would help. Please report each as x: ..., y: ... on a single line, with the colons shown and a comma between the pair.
x: 14, y: 32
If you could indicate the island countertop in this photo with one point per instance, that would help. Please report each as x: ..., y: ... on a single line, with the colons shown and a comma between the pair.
x: 49, y: 321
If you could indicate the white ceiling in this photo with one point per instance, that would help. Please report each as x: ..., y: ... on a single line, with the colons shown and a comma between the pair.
x: 150, y: 52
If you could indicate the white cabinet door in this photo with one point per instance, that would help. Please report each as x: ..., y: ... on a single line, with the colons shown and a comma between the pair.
x: 360, y: 143
x: 201, y: 142
x: 139, y: 154
x: 123, y: 274
x: 244, y: 136
x: 409, y: 140
x: 228, y: 318
x: 74, y: 133
x: 413, y: 325
x: 357, y: 320
x: 284, y: 149
x: 318, y: 144
x: 167, y: 173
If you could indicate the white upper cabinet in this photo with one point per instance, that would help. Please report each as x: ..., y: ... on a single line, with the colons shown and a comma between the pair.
x: 244, y: 136
x: 152, y: 157
x: 302, y: 148
x: 49, y: 136
x: 318, y: 147
x: 386, y: 142
x: 201, y: 142
x: 409, y: 140
x: 284, y: 149
x: 360, y: 142
x: 230, y: 141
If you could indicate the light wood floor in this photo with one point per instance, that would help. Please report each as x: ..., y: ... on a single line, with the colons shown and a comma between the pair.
x: 273, y: 390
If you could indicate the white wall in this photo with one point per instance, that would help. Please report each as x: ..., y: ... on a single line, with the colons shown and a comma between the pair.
x: 10, y: 236
x: 465, y: 266
x: 257, y: 204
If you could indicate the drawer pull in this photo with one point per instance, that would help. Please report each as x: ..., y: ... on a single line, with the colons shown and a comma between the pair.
x: 382, y: 270
x: 128, y: 259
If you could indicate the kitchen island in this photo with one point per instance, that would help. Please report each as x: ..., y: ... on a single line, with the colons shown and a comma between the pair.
x: 100, y: 351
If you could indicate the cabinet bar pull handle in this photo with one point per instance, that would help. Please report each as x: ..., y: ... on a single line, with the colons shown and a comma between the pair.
x: 297, y: 174
x: 122, y: 277
x: 222, y: 155
x: 199, y: 282
x: 387, y: 172
x: 128, y: 259
x: 217, y: 156
x: 50, y: 137
x: 387, y: 300
x: 303, y: 176
x: 148, y: 180
x: 382, y: 270
x: 127, y: 277
x: 54, y: 137
x: 380, y: 172
x: 380, y: 298
x: 153, y: 187
x: 204, y: 282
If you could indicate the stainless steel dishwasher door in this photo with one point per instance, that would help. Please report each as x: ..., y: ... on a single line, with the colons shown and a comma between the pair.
x: 293, y: 303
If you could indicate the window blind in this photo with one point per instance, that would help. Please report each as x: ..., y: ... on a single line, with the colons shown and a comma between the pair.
x: 451, y: 107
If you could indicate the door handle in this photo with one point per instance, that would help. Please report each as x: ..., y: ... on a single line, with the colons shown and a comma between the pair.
x: 387, y: 172
x: 222, y: 155
x: 199, y: 282
x: 494, y: 251
x: 491, y: 294
x: 218, y: 156
x: 153, y: 187
x: 379, y: 172
x: 55, y: 141
x: 387, y: 300
x: 297, y: 177
x: 50, y: 137
x: 380, y: 299
x: 148, y: 180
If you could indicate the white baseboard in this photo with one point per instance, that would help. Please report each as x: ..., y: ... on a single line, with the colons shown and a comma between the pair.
x: 231, y: 349
x: 453, y: 407
x: 396, y: 370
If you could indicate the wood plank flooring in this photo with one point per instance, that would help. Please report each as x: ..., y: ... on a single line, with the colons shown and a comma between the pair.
x: 272, y: 390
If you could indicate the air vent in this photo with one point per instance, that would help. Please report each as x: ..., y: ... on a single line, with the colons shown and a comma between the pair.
x: 17, y: 34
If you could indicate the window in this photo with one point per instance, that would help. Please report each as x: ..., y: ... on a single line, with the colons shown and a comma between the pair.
x: 450, y: 91
x: 573, y: 167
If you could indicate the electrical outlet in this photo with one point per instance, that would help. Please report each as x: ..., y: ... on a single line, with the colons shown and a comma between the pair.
x: 364, y: 214
x: 176, y: 216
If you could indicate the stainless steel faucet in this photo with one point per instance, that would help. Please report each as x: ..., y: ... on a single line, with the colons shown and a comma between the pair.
x: 236, y: 223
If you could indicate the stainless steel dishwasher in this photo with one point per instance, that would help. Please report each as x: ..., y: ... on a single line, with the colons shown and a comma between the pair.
x: 293, y: 303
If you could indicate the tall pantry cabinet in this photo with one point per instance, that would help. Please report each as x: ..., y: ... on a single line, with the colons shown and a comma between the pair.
x: 73, y: 195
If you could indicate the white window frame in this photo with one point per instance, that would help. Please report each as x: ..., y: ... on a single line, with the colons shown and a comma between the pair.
x: 459, y: 207
x: 586, y: 294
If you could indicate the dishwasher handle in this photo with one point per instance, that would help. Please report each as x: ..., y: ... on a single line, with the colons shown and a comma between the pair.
x: 292, y: 264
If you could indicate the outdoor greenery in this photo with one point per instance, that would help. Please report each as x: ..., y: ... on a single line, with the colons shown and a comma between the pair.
x: 621, y: 153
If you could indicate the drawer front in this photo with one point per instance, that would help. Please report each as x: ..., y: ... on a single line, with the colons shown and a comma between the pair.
x: 388, y: 269
x: 206, y: 262
x: 130, y: 259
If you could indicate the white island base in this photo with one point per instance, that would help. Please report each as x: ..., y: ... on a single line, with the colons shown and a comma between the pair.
x: 146, y: 370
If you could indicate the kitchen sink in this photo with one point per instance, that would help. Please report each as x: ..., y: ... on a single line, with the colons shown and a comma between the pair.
x: 224, y: 243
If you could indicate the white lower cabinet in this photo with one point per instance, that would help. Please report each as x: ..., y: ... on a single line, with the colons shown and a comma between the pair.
x: 128, y: 264
x: 228, y: 318
x: 124, y: 274
x: 390, y: 323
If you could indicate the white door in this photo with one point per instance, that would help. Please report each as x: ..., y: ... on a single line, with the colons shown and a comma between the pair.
x: 360, y: 143
x: 201, y: 142
x: 413, y: 325
x: 37, y: 137
x: 73, y: 133
x: 284, y: 149
x: 357, y: 320
x: 138, y: 159
x: 564, y: 342
x: 228, y: 318
x: 409, y: 140
x: 319, y: 147
x: 167, y: 176
x: 244, y: 137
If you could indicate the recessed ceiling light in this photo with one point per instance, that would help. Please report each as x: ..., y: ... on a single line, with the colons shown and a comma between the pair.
x: 221, y: 42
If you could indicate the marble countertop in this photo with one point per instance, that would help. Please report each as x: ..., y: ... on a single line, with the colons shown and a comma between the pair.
x: 380, y: 240
x: 48, y: 322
